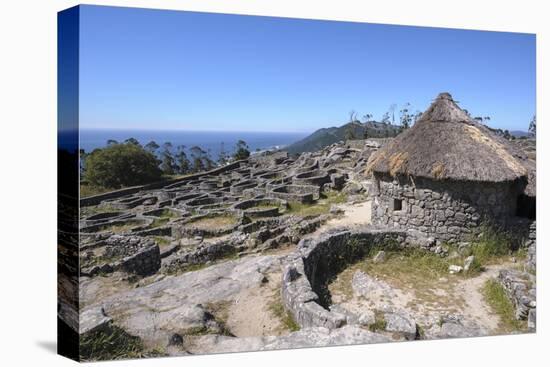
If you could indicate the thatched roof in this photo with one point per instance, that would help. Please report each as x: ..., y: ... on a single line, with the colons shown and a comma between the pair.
x: 446, y: 143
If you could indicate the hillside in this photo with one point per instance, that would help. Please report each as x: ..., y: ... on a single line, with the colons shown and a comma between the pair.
x: 327, y: 136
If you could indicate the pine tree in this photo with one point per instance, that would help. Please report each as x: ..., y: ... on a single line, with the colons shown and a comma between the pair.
x: 152, y: 146
x: 167, y: 159
x: 241, y: 150
x: 197, y: 157
x: 182, y: 162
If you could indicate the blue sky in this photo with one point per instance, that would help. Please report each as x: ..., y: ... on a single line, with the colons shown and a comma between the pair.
x: 153, y: 69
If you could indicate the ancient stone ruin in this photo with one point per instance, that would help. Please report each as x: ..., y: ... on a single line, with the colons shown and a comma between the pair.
x: 279, y: 252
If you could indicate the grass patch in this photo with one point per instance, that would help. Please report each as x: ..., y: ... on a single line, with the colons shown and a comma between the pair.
x: 278, y: 309
x: 162, y: 241
x: 491, y: 245
x: 423, y: 273
x: 158, y: 222
x: 496, y: 297
x: 113, y: 343
x: 88, y: 211
x: 215, y: 222
x: 91, y: 190
x: 220, y: 311
x: 168, y: 214
x: 379, y: 322
x: 322, y: 206
x: 120, y: 227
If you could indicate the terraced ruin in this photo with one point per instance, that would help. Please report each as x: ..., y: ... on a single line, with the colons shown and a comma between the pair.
x: 279, y: 252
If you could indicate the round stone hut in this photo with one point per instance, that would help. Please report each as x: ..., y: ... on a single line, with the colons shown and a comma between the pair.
x: 446, y: 175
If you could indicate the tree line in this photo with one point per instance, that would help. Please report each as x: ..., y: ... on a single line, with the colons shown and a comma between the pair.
x: 406, y: 118
x: 128, y: 163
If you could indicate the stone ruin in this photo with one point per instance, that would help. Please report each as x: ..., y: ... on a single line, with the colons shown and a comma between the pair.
x: 246, y: 208
x: 236, y: 209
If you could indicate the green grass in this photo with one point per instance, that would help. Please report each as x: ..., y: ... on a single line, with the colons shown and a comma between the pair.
x: 279, y: 311
x: 159, y: 222
x: 379, y: 322
x: 491, y: 245
x: 322, y: 206
x: 214, y: 222
x: 113, y: 343
x: 91, y: 190
x: 168, y: 214
x: 496, y: 297
x: 162, y: 241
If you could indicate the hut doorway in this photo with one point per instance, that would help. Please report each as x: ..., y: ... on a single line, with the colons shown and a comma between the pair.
x: 526, y: 206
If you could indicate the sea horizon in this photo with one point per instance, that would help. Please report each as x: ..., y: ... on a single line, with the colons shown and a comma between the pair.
x: 211, y: 141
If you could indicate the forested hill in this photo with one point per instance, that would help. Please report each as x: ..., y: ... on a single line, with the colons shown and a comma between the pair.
x: 352, y: 130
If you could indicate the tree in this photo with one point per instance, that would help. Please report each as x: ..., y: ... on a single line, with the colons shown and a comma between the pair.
x: 197, y: 157
x: 167, y: 164
x: 152, y: 146
x: 385, y: 118
x: 182, y: 162
x: 405, y: 117
x: 367, y: 117
x: 222, y: 157
x: 241, y: 150
x: 391, y: 112
x: 533, y: 126
x: 352, y: 116
x: 83, y: 155
x: 132, y: 141
x: 349, y: 134
x: 208, y: 162
x: 112, y: 142
x: 120, y: 165
x: 366, y: 133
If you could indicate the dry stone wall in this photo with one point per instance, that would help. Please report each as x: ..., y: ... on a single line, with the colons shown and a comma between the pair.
x: 447, y: 210
x: 306, y: 274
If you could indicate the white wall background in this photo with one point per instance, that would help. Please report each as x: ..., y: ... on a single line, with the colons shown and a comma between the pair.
x: 28, y: 180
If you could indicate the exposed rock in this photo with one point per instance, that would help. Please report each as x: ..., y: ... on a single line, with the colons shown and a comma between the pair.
x: 454, y: 269
x: 93, y: 319
x: 401, y: 323
x: 468, y: 263
x: 379, y: 257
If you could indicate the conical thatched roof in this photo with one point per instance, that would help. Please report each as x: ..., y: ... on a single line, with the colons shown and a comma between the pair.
x: 446, y: 143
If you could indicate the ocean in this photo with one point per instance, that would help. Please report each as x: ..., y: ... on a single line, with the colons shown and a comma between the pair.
x: 210, y: 141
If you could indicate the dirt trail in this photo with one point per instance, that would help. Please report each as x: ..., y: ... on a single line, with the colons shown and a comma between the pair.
x: 475, y: 306
x: 249, y: 314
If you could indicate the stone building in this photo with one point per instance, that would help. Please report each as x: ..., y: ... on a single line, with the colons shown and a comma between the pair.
x: 447, y: 175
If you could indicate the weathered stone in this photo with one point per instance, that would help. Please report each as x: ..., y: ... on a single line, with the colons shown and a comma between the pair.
x: 379, y: 257
x: 468, y: 263
x: 401, y: 323
x: 453, y: 269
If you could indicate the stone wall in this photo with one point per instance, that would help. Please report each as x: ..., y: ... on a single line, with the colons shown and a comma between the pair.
x: 145, y: 262
x: 306, y: 274
x: 96, y: 199
x: 446, y: 210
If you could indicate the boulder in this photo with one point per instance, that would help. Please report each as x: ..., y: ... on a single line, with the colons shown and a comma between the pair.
x: 401, y: 323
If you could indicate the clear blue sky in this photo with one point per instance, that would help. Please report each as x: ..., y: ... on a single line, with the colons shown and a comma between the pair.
x: 153, y: 69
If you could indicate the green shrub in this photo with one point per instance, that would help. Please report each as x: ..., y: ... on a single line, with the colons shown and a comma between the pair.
x: 112, y: 343
x: 121, y: 165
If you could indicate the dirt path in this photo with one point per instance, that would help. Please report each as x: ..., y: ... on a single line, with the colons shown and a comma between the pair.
x: 475, y: 306
x: 250, y: 314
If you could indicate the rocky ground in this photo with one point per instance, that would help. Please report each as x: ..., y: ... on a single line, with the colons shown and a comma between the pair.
x: 197, y: 267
